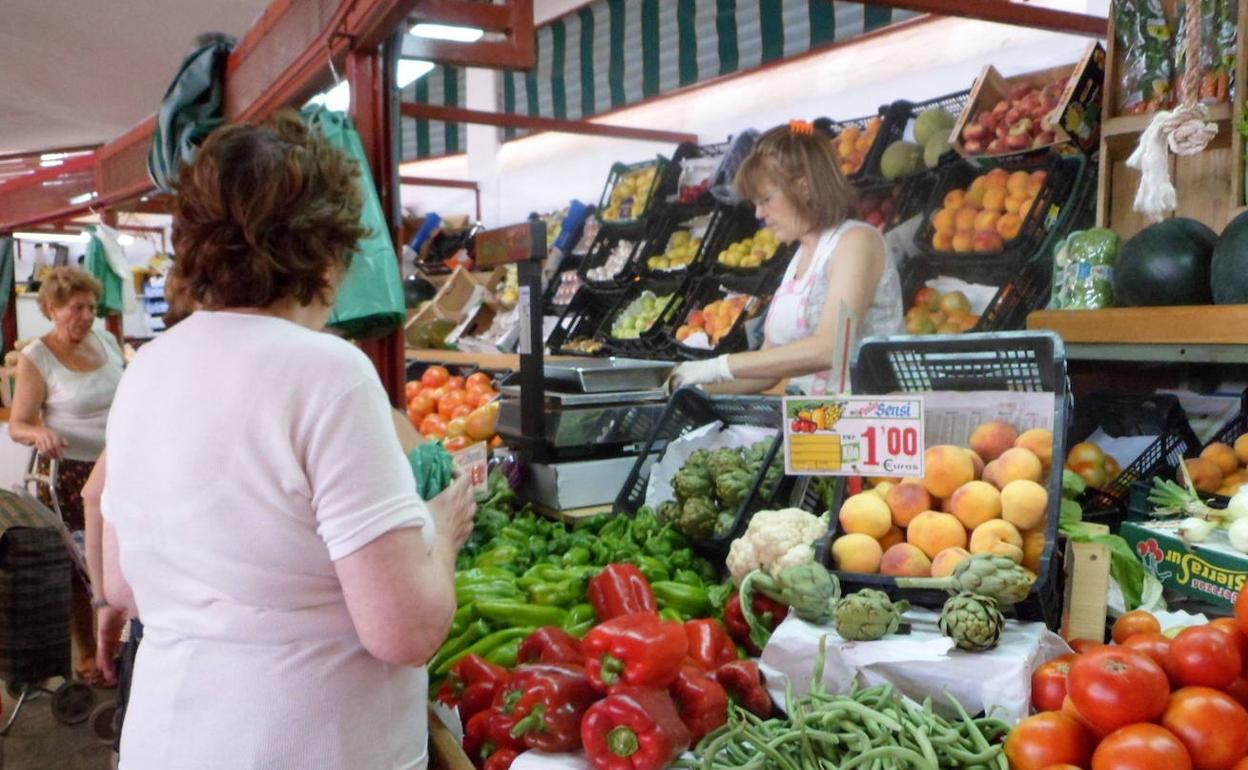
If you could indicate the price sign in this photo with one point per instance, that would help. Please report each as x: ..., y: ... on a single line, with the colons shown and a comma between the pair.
x: 853, y: 436
x: 473, y: 460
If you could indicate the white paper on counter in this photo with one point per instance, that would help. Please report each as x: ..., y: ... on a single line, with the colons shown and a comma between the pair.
x: 710, y: 436
x: 979, y: 295
x: 540, y: 760
x: 949, y: 417
x: 921, y: 664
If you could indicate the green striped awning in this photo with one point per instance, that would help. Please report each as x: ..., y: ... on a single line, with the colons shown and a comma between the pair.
x: 444, y: 86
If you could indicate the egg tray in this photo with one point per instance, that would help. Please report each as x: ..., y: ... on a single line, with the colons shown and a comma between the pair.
x: 1046, y: 214
x: 654, y: 243
x: 658, y: 189
x: 701, y: 293
x: 730, y: 224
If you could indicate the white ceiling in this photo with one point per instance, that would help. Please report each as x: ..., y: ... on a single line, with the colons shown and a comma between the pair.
x: 76, y: 72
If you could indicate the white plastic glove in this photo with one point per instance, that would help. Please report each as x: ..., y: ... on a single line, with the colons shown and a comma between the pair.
x: 706, y: 372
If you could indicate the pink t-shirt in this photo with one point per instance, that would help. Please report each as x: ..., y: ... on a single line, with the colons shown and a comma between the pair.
x: 245, y: 455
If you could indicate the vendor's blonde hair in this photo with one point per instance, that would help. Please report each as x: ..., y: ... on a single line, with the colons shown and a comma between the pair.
x: 782, y: 157
x: 62, y: 283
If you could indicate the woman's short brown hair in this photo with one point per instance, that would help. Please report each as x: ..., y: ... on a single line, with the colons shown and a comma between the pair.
x: 263, y: 214
x: 64, y: 282
x: 782, y: 157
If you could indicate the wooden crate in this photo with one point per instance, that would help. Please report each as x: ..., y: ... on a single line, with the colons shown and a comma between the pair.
x: 445, y: 753
x: 1209, y: 186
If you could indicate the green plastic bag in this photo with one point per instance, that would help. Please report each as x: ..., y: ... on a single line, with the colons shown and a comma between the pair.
x: 7, y: 267
x: 433, y: 468
x: 370, y: 300
x: 96, y: 263
x: 194, y: 105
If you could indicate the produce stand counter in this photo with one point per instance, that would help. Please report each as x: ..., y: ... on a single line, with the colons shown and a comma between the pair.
x: 1200, y: 334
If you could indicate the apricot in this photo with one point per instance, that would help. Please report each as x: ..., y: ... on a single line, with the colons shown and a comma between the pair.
x: 1223, y: 456
x: 954, y: 199
x: 991, y: 473
x: 1009, y: 226
x: 994, y: 199
x: 946, y: 560
x: 1017, y: 182
x: 857, y: 553
x: 998, y: 537
x: 907, y: 500
x: 1206, y: 475
x: 933, y: 532
x: 1018, y: 464
x: 942, y: 221
x: 1025, y: 207
x: 986, y: 220
x: 948, y: 467
x: 1040, y: 442
x: 1033, y: 549
x: 962, y: 242
x: 866, y: 513
x: 904, y: 560
x: 974, y: 503
x: 1036, y: 183
x: 1241, y: 448
x: 894, y: 536
x: 1024, y: 503
x: 976, y: 461
x: 992, y: 438
x: 964, y: 220
x: 943, y: 241
x: 1014, y: 202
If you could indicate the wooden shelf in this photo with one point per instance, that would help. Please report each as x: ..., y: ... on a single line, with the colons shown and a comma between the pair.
x: 1179, y: 325
x: 1122, y: 133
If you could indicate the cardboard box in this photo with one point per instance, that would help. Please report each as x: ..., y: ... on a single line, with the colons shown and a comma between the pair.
x: 1086, y: 598
x: 1211, y: 572
x: 457, y: 301
x: 1077, y: 116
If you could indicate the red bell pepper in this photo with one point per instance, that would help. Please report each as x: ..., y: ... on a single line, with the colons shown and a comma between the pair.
x: 633, y: 728
x: 501, y: 759
x: 701, y: 702
x: 550, y: 644
x: 547, y: 701
x: 709, y: 643
x: 487, y: 732
x: 620, y: 589
x: 744, y: 684
x: 767, y: 611
x: 477, y: 698
x: 639, y: 650
x: 470, y: 670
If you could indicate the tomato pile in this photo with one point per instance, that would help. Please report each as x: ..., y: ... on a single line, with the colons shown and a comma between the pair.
x: 1148, y: 701
x: 458, y: 410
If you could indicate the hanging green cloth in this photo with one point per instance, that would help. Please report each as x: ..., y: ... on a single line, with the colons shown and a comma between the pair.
x: 370, y: 300
x: 194, y: 105
x: 8, y: 265
x: 96, y: 263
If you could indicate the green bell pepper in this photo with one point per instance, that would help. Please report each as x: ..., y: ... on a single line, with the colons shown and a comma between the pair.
x: 690, y: 601
x: 475, y: 592
x: 687, y: 577
x: 561, y: 594
x: 462, y: 617
x: 498, y: 556
x: 505, y: 654
x: 474, y: 632
x: 577, y: 554
x: 654, y: 569
x: 579, y: 614
x: 482, y: 575
x: 671, y: 613
x: 519, y: 613
x: 482, y: 647
x: 580, y: 629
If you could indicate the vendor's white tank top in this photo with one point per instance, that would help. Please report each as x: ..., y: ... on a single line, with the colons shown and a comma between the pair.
x: 77, y: 403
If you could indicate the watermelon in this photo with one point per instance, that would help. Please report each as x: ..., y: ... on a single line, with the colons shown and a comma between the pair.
x: 1166, y: 264
x: 1230, y: 263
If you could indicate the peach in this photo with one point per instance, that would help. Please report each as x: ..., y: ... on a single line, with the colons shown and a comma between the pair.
x: 1040, y: 442
x: 1223, y: 456
x: 1229, y: 490
x: 1033, y: 549
x: 907, y: 500
x: 1206, y: 475
x: 866, y: 513
x: 904, y: 560
x: 977, y: 462
x: 945, y: 561
x: 948, y: 467
x: 998, y: 537
x: 1018, y: 464
x: 974, y: 503
x: 857, y: 553
x: 946, y: 505
x: 933, y: 532
x: 990, y: 474
x: 1241, y: 448
x: 992, y: 438
x: 894, y: 536
x: 882, y: 488
x: 1024, y: 503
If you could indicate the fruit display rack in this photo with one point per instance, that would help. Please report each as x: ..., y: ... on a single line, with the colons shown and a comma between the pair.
x: 636, y: 326
x: 732, y: 225
x: 860, y: 142
x: 673, y: 246
x: 718, y: 313
x: 610, y: 263
x: 633, y: 191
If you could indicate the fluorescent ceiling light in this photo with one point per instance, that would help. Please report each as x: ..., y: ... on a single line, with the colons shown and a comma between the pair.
x: 50, y: 163
x: 50, y: 159
x: 337, y: 98
x: 447, y: 32
x: 411, y: 70
x: 74, y: 201
x: 53, y: 237
x: 125, y: 239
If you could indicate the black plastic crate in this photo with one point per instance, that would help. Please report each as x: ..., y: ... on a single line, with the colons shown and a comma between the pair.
x: 1235, y: 427
x: 1118, y: 414
x: 655, y: 242
x: 1004, y: 361
x: 569, y: 269
x: 671, y: 186
x: 892, y: 124
x: 580, y: 323
x: 605, y: 243
x: 1024, y: 291
x: 654, y: 198
x: 688, y: 409
x: 729, y: 225
x: 652, y: 343
x: 699, y: 295
x: 1061, y: 181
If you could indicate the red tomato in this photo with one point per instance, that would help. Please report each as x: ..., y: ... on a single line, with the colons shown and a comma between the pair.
x: 421, y: 406
x: 1085, y: 452
x: 1241, y: 611
x: 1068, y: 708
x: 455, y: 383
x: 1116, y: 686
x: 457, y: 443
x: 1231, y: 627
x: 435, y: 376
x: 1135, y: 622
x: 435, y: 393
x: 433, y: 426
x: 1063, y: 766
x: 1239, y: 691
x: 482, y: 423
x: 1204, y: 656
x: 1141, y: 747
x: 411, y: 388
x: 1048, y: 685
x: 496, y: 442
x: 1211, y: 725
x: 478, y: 380
x: 1241, y: 764
x: 1085, y: 645
x: 463, y: 410
x: 447, y: 404
x: 1046, y: 739
x: 1155, y: 646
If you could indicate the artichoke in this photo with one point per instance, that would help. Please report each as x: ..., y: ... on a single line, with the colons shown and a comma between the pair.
x: 698, y: 459
x: 997, y: 577
x: 697, y: 519
x: 973, y: 622
x: 723, y: 460
x: 669, y: 511
x: 868, y: 615
x: 755, y: 456
x: 692, y: 481
x: 808, y: 588
x: 733, y: 487
x: 725, y: 522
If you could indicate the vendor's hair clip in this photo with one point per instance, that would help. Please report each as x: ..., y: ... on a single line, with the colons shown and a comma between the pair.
x: 801, y: 127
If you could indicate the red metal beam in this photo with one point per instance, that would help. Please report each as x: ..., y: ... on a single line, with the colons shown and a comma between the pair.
x: 8, y: 156
x: 1007, y: 12
x: 504, y: 120
x: 514, y: 19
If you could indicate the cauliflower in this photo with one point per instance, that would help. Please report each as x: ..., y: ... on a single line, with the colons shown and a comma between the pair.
x: 775, y: 540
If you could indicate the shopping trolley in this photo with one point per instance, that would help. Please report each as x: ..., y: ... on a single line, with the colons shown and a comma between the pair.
x: 38, y: 556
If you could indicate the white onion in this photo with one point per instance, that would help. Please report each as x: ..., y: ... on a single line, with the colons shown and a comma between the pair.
x: 1238, y: 534
x: 1194, y: 530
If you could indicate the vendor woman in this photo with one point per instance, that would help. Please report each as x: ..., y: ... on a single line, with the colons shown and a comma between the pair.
x: 794, y: 179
